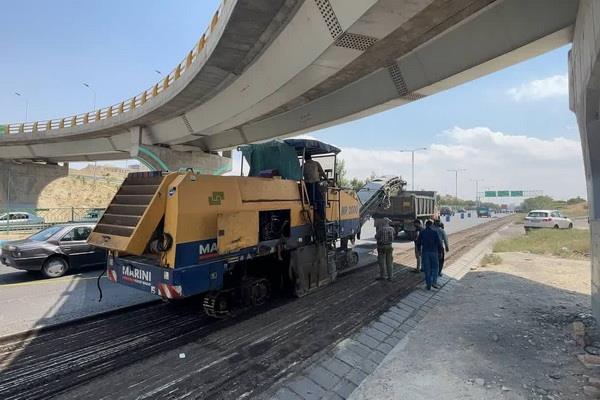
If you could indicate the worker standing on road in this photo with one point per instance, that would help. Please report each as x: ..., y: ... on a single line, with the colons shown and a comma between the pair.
x: 438, y: 226
x: 418, y: 229
x: 430, y: 245
x: 384, y: 237
x: 313, y: 173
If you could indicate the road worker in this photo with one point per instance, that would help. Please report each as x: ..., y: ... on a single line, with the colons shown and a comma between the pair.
x: 430, y: 245
x: 384, y: 237
x: 313, y: 175
x: 418, y: 228
x: 438, y: 226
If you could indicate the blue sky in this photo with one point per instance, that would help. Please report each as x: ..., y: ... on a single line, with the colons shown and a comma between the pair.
x: 51, y: 48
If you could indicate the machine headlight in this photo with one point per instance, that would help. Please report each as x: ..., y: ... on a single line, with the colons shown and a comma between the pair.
x: 12, y: 248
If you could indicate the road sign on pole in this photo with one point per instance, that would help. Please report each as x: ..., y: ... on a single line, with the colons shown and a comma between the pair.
x: 490, y: 193
x: 503, y: 193
x: 516, y: 193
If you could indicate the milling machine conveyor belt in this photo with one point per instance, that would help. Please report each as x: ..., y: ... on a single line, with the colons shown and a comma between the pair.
x: 374, y: 193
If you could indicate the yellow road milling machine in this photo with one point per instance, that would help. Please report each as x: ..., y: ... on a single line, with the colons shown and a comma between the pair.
x: 235, y: 239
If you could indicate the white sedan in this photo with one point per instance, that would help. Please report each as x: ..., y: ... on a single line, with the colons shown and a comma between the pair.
x: 20, y: 220
x: 547, y: 219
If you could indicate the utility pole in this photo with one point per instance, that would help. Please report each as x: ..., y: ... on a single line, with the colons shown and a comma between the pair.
x: 477, y: 190
x: 412, y: 151
x: 456, y: 171
x: 26, y: 104
x: 93, y: 91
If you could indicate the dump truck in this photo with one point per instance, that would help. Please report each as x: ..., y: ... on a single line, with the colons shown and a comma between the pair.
x: 404, y: 207
x: 235, y: 240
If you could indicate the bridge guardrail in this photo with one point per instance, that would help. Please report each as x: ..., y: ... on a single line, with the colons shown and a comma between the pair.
x: 126, y: 105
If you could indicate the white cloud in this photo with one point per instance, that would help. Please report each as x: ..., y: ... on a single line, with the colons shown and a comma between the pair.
x: 504, y: 161
x: 552, y: 86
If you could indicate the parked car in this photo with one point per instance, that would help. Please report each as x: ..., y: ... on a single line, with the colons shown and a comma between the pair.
x: 53, y: 251
x: 547, y: 219
x: 461, y: 211
x: 446, y: 211
x: 92, y: 215
x: 19, y: 220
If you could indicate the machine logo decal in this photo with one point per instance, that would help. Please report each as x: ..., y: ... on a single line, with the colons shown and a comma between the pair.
x: 216, y: 198
x: 206, y: 250
x: 136, y: 275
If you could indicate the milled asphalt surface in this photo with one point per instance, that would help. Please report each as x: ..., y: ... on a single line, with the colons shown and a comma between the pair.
x: 29, y: 301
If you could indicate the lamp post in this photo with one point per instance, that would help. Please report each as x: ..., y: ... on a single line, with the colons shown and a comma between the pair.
x: 412, y: 151
x: 456, y: 171
x: 477, y: 190
x: 93, y: 91
x: 26, y: 104
x: 158, y: 72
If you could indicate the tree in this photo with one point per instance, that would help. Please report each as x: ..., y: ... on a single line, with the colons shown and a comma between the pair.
x: 357, y: 184
x: 538, y: 203
x: 340, y: 172
x: 575, y: 200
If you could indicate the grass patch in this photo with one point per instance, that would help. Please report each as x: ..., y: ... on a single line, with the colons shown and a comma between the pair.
x: 493, y: 259
x: 566, y: 243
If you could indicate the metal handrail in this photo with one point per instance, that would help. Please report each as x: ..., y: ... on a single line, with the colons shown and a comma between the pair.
x: 125, y: 106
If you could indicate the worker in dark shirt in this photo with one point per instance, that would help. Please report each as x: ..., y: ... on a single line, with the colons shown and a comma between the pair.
x: 429, y: 245
x: 418, y: 228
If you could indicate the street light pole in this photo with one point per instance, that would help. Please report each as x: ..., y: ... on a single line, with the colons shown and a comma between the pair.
x: 412, y: 151
x: 26, y: 104
x: 477, y: 190
x: 93, y: 91
x: 456, y: 171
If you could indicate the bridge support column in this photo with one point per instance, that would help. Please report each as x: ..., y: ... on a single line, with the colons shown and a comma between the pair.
x: 177, y: 157
x: 21, y: 184
x: 584, y: 99
x: 169, y: 159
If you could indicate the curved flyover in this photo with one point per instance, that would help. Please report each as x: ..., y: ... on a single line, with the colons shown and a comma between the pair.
x: 268, y: 68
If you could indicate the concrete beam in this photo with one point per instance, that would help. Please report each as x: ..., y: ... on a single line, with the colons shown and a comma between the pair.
x: 21, y: 184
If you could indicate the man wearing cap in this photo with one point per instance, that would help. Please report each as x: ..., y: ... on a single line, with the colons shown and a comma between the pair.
x: 384, y: 237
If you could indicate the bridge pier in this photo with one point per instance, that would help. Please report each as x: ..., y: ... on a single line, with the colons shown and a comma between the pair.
x: 21, y: 184
x: 584, y: 100
x: 184, y: 157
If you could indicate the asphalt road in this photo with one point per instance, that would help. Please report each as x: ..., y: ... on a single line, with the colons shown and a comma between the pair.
x: 29, y: 301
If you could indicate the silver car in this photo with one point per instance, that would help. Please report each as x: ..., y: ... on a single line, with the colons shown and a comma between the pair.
x: 547, y: 219
x: 20, y: 220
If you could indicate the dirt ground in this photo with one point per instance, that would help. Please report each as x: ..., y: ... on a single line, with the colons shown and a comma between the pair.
x: 504, y: 333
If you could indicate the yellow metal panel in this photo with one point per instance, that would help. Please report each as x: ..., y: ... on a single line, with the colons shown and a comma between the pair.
x: 236, y: 231
x: 261, y: 189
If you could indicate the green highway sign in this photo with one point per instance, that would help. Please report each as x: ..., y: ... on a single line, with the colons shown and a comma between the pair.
x: 3, y: 129
x: 490, y: 193
x: 516, y: 193
x: 503, y: 193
